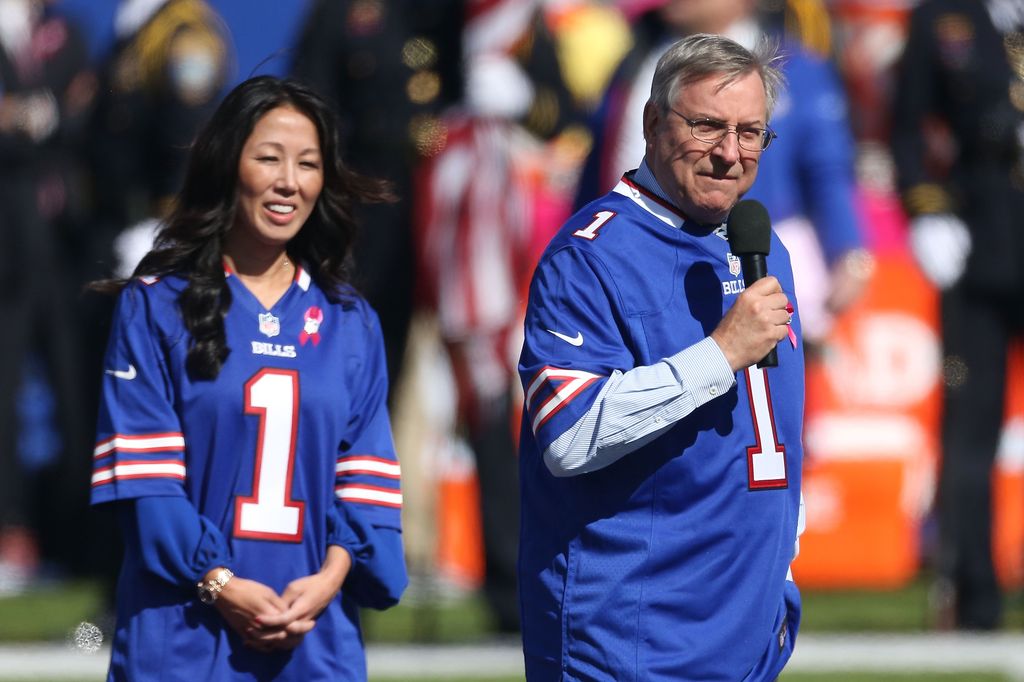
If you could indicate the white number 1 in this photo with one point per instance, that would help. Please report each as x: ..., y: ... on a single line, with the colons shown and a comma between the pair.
x: 766, y: 459
x: 590, y: 231
x: 270, y: 513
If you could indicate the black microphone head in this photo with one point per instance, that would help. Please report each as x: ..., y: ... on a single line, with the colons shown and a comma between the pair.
x: 749, y: 228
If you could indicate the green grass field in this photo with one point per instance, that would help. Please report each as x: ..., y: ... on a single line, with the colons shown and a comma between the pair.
x: 49, y: 614
x: 904, y: 611
x: 52, y: 613
x: 794, y: 677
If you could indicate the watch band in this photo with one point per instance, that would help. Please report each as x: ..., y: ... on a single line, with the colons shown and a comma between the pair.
x: 209, y: 590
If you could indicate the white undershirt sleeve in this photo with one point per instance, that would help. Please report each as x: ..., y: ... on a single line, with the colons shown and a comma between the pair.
x: 635, y: 406
x: 801, y: 526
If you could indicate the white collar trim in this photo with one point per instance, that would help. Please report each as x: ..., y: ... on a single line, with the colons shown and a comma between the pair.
x: 650, y: 203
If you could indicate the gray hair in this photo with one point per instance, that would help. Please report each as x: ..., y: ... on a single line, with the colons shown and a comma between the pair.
x: 701, y: 55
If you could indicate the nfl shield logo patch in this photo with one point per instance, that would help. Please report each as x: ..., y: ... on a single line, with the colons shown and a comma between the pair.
x: 269, y: 325
x: 734, y: 264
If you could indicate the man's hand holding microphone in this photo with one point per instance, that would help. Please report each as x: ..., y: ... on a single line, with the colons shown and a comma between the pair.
x: 760, y: 318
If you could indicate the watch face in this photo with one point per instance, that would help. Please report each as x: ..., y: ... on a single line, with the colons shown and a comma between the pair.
x: 207, y: 595
x: 209, y: 590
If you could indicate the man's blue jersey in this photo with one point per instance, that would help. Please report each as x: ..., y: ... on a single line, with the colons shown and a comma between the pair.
x: 672, y: 562
x: 294, y: 424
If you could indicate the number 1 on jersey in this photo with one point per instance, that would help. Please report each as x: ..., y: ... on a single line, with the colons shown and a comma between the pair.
x: 590, y: 231
x: 766, y: 459
x: 270, y: 513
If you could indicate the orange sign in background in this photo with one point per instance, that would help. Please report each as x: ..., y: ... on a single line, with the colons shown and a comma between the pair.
x: 870, y: 435
x: 872, y: 430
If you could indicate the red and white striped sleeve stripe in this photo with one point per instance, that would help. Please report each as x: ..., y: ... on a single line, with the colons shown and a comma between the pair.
x: 369, y: 480
x: 134, y: 469
x: 365, y: 464
x: 369, y: 494
x: 561, y: 386
x: 154, y: 442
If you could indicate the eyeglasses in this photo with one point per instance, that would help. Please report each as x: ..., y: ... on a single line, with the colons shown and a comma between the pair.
x: 711, y: 131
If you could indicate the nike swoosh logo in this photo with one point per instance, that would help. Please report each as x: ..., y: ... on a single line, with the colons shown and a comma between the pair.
x: 126, y: 374
x: 571, y: 340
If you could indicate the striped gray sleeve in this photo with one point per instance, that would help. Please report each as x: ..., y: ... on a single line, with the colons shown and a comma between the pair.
x: 634, y: 407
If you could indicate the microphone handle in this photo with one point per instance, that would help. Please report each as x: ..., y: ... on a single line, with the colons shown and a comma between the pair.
x: 754, y: 268
x: 770, y: 360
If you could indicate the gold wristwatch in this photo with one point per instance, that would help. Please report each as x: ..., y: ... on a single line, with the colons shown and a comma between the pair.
x: 209, y: 590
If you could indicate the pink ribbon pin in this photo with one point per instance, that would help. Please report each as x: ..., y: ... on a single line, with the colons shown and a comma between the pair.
x: 311, y: 326
x: 792, y: 334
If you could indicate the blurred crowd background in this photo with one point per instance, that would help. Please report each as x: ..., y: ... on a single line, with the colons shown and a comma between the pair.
x: 494, y: 119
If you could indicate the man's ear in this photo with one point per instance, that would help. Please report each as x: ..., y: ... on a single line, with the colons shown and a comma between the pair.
x: 652, y: 117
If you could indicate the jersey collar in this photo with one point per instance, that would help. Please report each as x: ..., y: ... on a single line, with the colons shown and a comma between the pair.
x: 301, y: 278
x: 640, y: 186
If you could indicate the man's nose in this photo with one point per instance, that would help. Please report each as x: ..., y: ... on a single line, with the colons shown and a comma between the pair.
x: 728, y: 148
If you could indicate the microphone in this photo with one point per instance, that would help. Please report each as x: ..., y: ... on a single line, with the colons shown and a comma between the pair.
x: 749, y: 230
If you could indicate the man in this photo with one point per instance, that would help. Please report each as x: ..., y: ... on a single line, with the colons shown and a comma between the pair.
x: 660, y: 469
x: 808, y: 189
x: 963, y: 65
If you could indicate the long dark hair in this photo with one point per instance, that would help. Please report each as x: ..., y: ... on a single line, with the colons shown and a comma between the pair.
x: 191, y: 240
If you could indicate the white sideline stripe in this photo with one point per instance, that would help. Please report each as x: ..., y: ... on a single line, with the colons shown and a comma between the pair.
x: 419, y: 660
x: 51, y: 662
x: 876, y: 653
x: 881, y: 652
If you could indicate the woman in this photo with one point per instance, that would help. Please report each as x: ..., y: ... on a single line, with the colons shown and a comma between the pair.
x: 243, y: 433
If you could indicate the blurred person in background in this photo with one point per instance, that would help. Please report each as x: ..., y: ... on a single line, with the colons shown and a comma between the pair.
x: 957, y: 130
x: 808, y: 187
x: 868, y: 41
x: 577, y: 25
x: 46, y: 90
x: 169, y: 64
x: 162, y: 80
x: 243, y: 438
x: 389, y: 69
x: 477, y: 200
x: 809, y: 22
